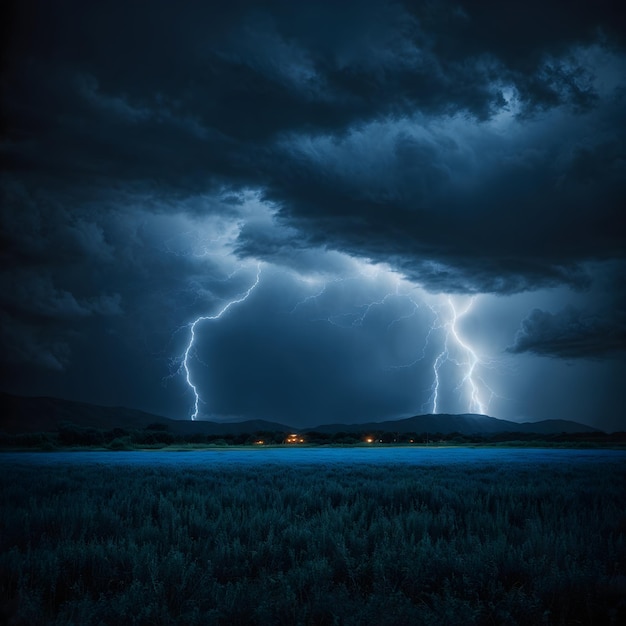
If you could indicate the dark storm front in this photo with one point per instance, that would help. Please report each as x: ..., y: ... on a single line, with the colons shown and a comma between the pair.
x: 314, y: 537
x: 414, y: 207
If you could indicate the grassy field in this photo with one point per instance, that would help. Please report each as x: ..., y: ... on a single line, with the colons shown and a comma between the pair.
x: 390, y: 544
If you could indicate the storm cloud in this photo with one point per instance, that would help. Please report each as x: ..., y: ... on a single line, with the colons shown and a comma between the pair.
x: 570, y: 334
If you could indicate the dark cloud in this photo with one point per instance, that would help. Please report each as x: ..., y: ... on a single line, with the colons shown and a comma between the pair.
x: 460, y: 208
x: 597, y: 331
x: 570, y: 334
x: 125, y: 263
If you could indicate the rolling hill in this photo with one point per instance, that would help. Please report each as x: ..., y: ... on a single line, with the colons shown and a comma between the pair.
x: 20, y: 414
x: 28, y: 414
x: 466, y: 424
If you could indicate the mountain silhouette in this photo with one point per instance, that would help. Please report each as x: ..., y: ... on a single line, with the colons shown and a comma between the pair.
x: 465, y: 424
x: 31, y: 414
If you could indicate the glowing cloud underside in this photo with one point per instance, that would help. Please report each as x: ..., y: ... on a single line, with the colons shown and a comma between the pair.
x: 192, y: 337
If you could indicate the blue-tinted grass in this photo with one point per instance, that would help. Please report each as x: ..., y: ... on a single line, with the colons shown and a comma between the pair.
x: 314, y: 536
x: 315, y: 456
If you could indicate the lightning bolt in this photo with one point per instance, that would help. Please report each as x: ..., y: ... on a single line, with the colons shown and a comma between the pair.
x: 441, y: 357
x: 471, y: 359
x: 315, y: 296
x: 359, y: 312
x: 192, y: 336
x: 476, y: 405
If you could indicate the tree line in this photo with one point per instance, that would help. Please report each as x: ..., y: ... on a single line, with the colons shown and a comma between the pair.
x: 158, y: 435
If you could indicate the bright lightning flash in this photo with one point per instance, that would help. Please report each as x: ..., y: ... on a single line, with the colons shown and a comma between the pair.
x: 470, y: 361
x: 455, y: 349
x: 192, y: 336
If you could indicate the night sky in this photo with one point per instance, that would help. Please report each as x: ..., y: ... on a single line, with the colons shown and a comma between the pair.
x: 413, y: 207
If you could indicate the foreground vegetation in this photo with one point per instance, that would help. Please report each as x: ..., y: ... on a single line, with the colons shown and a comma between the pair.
x: 479, y: 544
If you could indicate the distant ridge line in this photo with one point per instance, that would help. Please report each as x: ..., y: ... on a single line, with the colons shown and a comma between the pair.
x: 32, y: 414
x: 465, y: 424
